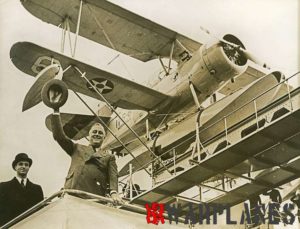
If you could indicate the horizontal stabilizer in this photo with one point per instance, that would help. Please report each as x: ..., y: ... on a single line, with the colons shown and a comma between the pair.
x: 76, y: 126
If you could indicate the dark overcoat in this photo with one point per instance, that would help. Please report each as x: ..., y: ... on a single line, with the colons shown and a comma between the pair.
x: 15, y: 199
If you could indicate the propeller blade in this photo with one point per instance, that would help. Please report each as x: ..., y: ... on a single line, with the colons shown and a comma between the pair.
x: 246, y: 53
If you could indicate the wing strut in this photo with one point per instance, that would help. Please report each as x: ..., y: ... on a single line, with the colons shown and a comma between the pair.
x: 182, y: 46
x: 113, y: 109
x: 66, y: 27
x: 167, y: 70
x: 112, y: 133
x: 77, y: 28
x: 63, y: 37
x: 171, y: 57
x: 198, y: 143
x: 195, y: 95
x: 163, y: 66
x: 98, y: 23
x: 101, y: 28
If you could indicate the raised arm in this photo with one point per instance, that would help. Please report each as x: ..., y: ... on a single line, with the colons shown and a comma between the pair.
x: 59, y: 135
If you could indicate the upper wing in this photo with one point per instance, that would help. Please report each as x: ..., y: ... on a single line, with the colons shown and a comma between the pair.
x: 120, y: 92
x: 114, y: 27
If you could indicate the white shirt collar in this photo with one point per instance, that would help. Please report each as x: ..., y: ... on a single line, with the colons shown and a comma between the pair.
x: 20, y: 179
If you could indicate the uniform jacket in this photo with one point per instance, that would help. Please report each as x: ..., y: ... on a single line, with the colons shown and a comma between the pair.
x: 90, y: 171
x: 14, y: 199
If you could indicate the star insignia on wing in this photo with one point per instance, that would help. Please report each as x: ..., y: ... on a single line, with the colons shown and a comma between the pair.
x: 103, y: 85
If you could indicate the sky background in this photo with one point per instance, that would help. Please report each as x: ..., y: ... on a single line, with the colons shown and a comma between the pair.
x: 268, y: 28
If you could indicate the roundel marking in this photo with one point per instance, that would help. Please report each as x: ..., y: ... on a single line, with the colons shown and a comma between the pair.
x: 104, y: 86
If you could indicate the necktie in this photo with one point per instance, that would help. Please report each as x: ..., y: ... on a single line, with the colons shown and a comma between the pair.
x: 23, y: 183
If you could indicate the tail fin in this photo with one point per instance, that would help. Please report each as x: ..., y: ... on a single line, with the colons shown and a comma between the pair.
x: 76, y: 126
x: 33, y: 96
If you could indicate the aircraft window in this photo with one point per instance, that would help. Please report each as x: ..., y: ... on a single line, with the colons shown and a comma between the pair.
x: 184, y: 56
x: 253, y: 128
x: 279, y: 113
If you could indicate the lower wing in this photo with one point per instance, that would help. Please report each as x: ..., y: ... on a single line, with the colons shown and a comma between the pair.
x: 119, y: 92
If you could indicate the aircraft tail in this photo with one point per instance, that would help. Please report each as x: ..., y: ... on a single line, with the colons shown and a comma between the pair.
x: 77, y: 126
x: 33, y: 96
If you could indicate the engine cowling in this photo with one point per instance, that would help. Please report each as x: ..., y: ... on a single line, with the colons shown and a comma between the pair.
x: 216, y: 63
x: 213, y: 64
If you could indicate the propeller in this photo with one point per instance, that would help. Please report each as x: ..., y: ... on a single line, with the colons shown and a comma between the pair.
x: 248, y: 55
x: 234, y: 48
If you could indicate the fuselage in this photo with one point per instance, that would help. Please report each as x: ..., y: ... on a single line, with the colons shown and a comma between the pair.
x: 205, y: 71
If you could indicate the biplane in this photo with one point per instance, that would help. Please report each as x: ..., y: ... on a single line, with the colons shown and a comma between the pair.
x: 165, y: 128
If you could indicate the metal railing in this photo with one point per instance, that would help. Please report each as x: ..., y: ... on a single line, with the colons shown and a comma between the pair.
x: 254, y: 115
x: 77, y: 193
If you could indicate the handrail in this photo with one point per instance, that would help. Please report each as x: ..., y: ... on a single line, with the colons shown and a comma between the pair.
x: 84, y: 195
x: 224, y: 117
x: 261, y: 94
x: 30, y: 210
x: 239, y: 108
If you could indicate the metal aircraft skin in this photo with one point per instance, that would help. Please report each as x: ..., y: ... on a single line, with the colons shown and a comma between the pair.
x: 221, y: 66
x: 202, y: 69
